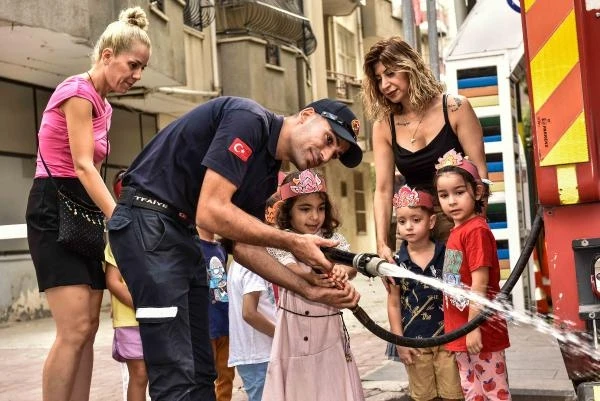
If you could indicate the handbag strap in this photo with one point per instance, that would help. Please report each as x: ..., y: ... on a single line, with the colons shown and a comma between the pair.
x: 37, y: 138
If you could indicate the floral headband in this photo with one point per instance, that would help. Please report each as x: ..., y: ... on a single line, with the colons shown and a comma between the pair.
x: 306, y: 183
x: 454, y: 158
x: 407, y: 197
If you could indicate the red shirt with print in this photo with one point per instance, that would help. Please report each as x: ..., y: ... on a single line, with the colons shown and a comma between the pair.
x: 470, y: 247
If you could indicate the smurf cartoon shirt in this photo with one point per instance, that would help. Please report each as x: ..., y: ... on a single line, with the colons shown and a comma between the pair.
x: 215, y: 259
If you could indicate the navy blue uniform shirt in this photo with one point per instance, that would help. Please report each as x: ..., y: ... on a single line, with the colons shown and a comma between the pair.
x: 235, y: 137
x: 421, y: 304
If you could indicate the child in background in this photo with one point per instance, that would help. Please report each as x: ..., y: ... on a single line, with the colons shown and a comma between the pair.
x: 415, y: 309
x: 252, y: 316
x: 311, y: 358
x: 215, y: 258
x: 127, y: 343
x: 471, y: 260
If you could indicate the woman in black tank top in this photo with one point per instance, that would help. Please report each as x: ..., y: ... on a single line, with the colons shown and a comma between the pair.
x: 415, y: 124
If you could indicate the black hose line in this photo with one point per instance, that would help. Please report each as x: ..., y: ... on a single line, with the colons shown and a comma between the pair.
x: 349, y: 258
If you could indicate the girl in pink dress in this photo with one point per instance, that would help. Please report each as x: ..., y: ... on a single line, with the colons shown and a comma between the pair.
x: 310, y: 357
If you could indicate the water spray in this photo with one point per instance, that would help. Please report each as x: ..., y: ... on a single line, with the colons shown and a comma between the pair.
x: 372, y: 265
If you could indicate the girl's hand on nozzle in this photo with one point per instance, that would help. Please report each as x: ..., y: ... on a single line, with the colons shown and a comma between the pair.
x: 321, y: 280
x: 346, y: 297
x: 339, y: 273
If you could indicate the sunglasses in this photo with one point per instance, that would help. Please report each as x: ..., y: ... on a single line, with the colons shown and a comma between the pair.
x: 339, y: 121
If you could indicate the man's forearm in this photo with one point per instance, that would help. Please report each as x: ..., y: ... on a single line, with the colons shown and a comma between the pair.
x: 231, y: 222
x: 260, y: 262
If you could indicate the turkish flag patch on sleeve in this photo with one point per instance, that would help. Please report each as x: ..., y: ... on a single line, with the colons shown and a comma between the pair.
x: 240, y: 149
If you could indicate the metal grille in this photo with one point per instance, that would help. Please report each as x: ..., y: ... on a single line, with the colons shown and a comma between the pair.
x: 278, y: 20
x: 199, y: 14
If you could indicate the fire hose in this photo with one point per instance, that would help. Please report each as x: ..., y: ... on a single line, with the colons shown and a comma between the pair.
x: 369, y: 265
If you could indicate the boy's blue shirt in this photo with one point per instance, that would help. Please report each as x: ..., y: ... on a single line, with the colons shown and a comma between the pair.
x: 421, y: 304
x: 215, y: 260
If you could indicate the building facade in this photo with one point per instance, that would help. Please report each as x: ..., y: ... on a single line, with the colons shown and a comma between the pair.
x: 282, y: 53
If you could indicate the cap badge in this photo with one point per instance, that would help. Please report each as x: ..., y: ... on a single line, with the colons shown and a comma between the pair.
x: 355, y: 127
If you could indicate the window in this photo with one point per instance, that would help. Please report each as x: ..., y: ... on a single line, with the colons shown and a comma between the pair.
x: 346, y: 51
x: 272, y: 54
x: 360, y: 206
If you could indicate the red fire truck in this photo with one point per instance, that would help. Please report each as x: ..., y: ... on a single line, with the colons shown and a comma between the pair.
x: 563, y: 71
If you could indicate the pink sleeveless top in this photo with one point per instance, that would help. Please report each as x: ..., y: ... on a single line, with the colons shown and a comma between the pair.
x: 53, y: 136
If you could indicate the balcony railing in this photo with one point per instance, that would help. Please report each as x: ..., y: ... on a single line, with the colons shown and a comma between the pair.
x: 341, y: 83
x: 277, y: 20
x: 199, y: 14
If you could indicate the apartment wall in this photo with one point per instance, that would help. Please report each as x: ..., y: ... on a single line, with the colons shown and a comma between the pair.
x: 181, y: 56
x: 242, y: 63
x: 378, y: 23
x: 44, y: 43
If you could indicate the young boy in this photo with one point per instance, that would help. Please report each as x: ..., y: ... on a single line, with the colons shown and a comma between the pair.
x: 251, y: 327
x: 415, y: 309
x: 127, y: 343
x: 215, y: 258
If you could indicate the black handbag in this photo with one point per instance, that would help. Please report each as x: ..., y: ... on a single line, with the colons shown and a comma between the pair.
x: 80, y: 224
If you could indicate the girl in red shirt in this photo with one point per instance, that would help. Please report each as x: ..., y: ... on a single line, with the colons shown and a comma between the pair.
x: 471, y: 261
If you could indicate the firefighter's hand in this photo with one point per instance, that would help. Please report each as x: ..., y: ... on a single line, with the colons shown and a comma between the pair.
x: 307, y: 248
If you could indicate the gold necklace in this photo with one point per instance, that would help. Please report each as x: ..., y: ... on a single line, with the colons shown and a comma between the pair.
x: 412, y: 138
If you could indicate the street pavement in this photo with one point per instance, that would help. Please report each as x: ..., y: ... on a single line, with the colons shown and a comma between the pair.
x: 536, y: 370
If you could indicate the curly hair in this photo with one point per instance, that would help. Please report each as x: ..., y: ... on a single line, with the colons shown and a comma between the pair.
x: 284, y: 213
x: 397, y: 55
x: 469, y: 182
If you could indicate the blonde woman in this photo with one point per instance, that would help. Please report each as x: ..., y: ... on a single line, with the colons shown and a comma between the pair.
x: 73, y: 143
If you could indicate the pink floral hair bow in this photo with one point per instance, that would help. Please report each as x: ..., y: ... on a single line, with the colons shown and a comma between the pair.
x: 306, y: 183
x: 407, y: 197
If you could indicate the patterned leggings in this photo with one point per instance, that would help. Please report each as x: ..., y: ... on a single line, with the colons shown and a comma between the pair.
x: 483, y: 377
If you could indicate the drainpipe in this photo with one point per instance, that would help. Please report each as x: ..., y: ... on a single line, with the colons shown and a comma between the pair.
x: 183, y: 91
x: 141, y: 92
x: 361, y: 50
x: 432, y: 35
x: 215, y: 60
x: 408, y: 23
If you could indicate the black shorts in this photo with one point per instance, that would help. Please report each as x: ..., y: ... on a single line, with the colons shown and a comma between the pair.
x: 54, y: 265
